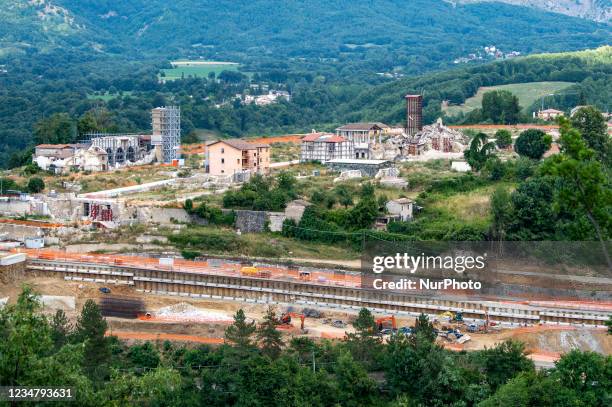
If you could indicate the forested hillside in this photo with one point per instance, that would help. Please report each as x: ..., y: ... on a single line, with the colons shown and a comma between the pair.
x: 416, y: 35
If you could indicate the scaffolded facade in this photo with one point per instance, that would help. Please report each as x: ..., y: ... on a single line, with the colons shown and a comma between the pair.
x: 166, y: 123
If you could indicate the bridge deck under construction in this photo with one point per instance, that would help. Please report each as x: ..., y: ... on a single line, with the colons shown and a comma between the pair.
x: 342, y: 293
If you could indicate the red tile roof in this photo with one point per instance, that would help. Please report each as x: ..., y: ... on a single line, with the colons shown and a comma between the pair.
x: 241, y: 144
x: 323, y: 138
x: 55, y: 146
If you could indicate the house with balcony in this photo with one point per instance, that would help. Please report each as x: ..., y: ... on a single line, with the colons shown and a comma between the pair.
x: 232, y: 156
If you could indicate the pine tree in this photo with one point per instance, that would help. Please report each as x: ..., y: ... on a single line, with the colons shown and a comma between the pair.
x: 240, y: 332
x: 424, y: 329
x: 269, y: 338
x: 365, y: 325
x: 60, y: 328
x: 90, y: 329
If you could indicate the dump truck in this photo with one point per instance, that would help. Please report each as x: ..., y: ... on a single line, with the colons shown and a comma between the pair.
x: 250, y: 271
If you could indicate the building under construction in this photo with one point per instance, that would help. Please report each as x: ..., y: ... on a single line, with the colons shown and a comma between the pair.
x: 414, y: 114
x: 166, y: 123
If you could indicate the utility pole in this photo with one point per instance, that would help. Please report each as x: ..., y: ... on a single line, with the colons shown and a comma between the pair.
x: 314, y: 363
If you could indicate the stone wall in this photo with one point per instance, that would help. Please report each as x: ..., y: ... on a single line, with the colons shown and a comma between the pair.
x: 251, y: 221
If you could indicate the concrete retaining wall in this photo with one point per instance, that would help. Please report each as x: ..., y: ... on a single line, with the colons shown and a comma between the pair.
x: 250, y: 221
x: 163, y: 216
x: 14, y: 208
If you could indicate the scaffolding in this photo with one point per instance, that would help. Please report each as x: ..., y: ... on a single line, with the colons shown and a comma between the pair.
x: 167, y: 131
x: 414, y: 114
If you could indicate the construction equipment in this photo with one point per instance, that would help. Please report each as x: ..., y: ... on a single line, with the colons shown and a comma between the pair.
x: 304, y: 275
x: 452, y: 317
x: 285, y: 319
x: 250, y: 271
x: 381, y: 321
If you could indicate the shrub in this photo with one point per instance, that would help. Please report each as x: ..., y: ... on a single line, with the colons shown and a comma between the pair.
x: 533, y: 144
x: 36, y: 185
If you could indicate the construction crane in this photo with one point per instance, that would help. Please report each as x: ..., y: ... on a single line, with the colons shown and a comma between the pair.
x: 285, y: 319
x: 380, y: 321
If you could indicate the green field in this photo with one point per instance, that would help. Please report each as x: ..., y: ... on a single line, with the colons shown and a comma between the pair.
x: 527, y: 93
x: 196, y: 69
x: 107, y: 96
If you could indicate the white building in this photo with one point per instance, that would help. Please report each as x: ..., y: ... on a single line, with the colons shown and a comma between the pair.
x: 363, y: 136
x: 402, y: 207
x: 324, y: 147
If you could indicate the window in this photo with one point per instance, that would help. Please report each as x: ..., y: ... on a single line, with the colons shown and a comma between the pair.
x: 238, y: 161
x: 223, y: 161
x: 222, y: 150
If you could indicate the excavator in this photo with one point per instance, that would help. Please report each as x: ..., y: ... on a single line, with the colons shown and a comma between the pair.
x: 285, y: 319
x: 380, y: 322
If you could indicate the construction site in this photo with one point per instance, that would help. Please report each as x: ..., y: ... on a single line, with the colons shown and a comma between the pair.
x: 164, y: 298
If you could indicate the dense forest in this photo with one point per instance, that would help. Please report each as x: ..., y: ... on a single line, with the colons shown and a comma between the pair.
x: 257, y: 366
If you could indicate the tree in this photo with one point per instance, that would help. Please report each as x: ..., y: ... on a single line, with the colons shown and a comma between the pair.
x: 345, y: 197
x: 144, y: 356
x: 584, y: 186
x: 36, y: 185
x: 90, y: 329
x: 503, y: 138
x: 60, y: 328
x: 270, y: 339
x: 590, y: 123
x: 609, y: 325
x: 365, y: 325
x: 25, y: 335
x: 97, y: 120
x: 501, y: 209
x: 188, y: 205
x: 240, y: 332
x: 286, y: 182
x: 423, y: 327
x: 479, y: 152
x: 365, y: 345
x: 505, y: 361
x: 500, y: 107
x: 57, y: 129
x: 588, y: 374
x: 532, y: 143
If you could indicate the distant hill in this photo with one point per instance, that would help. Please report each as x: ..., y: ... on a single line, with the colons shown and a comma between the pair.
x: 381, y: 36
x: 589, y: 70
x: 597, y: 10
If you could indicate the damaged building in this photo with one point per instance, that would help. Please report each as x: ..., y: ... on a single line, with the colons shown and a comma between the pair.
x: 103, y: 151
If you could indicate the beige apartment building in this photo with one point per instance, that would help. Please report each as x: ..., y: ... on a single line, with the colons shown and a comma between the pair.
x: 228, y: 157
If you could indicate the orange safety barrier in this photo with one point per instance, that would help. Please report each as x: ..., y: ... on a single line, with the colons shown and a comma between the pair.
x: 147, y: 336
x: 32, y: 223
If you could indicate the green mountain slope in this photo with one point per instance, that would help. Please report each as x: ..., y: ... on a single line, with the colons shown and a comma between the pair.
x: 418, y: 35
x: 31, y: 26
x: 591, y: 70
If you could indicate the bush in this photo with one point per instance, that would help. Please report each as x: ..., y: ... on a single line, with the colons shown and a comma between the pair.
x: 503, y: 138
x: 190, y: 254
x: 532, y: 144
x: 36, y: 185
x: 215, y: 240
